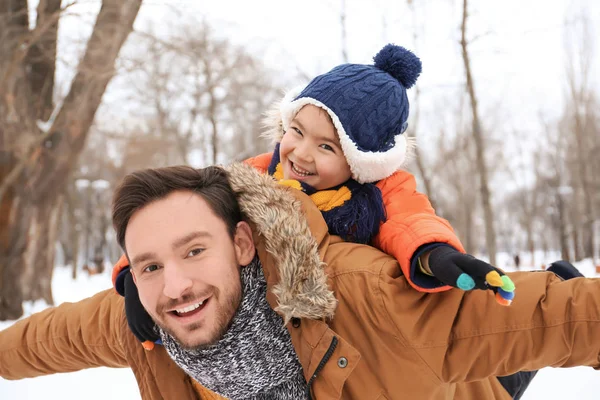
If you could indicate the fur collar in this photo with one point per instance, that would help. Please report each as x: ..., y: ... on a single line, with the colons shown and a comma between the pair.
x: 302, y: 291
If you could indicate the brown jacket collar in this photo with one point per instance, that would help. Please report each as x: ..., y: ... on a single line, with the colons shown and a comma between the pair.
x: 296, y: 272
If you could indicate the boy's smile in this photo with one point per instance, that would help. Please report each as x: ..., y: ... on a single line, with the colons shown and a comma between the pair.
x: 299, y: 171
x: 310, y: 150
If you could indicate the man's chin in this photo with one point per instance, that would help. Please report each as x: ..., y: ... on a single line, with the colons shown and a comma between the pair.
x: 192, y: 337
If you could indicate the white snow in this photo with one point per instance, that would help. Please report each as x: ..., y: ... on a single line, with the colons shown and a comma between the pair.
x: 104, y: 383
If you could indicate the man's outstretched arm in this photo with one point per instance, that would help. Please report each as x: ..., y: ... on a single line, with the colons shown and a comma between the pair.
x: 551, y: 323
x: 70, y: 337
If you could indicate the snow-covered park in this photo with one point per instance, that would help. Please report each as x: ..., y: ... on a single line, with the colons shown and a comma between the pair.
x: 104, y: 383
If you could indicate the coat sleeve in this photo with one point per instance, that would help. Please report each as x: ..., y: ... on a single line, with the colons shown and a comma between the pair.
x: 411, y: 224
x: 67, y: 338
x: 552, y: 323
x: 260, y: 162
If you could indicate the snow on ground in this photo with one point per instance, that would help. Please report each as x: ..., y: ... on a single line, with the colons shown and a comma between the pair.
x: 105, y: 383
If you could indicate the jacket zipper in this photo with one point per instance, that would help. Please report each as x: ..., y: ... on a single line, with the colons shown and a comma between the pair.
x: 321, y: 365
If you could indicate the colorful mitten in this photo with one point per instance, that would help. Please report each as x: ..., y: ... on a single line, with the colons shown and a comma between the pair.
x: 466, y: 272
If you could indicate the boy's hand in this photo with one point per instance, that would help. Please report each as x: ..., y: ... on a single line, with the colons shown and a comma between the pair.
x: 140, y: 323
x: 466, y: 272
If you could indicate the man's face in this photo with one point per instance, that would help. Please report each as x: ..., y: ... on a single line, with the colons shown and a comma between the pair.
x: 187, y: 266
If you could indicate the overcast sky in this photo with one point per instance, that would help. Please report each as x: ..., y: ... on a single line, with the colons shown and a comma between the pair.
x: 518, y: 58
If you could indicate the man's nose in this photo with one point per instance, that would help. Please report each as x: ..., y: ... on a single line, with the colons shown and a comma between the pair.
x: 176, y: 281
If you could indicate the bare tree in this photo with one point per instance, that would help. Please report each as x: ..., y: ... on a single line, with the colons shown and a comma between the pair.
x: 523, y: 204
x: 343, y: 27
x: 201, y: 95
x: 37, y: 156
x: 580, y: 118
x: 414, y: 129
x: 553, y: 184
x: 477, y: 131
x: 454, y: 176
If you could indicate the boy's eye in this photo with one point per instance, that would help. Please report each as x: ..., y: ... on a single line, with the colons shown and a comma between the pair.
x: 298, y: 131
x: 151, y: 268
x: 327, y: 147
x: 195, y: 252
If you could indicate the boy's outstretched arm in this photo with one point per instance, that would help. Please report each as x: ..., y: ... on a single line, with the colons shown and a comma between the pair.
x: 429, y: 252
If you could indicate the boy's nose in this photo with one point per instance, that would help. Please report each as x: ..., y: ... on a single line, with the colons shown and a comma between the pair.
x: 176, y: 282
x: 304, y: 153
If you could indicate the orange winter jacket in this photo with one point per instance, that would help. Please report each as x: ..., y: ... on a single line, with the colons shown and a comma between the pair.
x: 411, y: 222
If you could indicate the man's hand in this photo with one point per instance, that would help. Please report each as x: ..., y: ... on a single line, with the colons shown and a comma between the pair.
x: 466, y: 272
x: 140, y: 323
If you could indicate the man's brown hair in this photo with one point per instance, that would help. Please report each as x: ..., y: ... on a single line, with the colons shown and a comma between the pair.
x: 143, y: 187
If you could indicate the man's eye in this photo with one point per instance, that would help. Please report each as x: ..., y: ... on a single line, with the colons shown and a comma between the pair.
x: 195, y: 252
x: 151, y: 268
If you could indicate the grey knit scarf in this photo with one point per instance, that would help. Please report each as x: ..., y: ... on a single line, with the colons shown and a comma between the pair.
x: 255, y: 358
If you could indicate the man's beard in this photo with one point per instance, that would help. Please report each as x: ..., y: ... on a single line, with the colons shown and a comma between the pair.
x: 224, y: 315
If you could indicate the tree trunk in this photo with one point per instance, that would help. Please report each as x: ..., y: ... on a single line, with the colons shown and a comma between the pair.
x: 15, y: 214
x: 212, y: 110
x: 531, y: 244
x: 582, y: 106
x: 44, y: 167
x: 576, y: 230
x: 100, y: 245
x: 42, y: 59
x: 488, y: 214
x: 344, y: 37
x: 419, y: 160
x: 14, y: 205
x: 468, y: 234
x: 37, y: 279
x: 87, y: 242
x: 562, y: 229
x: 73, y: 236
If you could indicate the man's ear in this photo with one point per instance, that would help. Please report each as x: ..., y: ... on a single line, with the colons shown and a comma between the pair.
x: 244, y: 244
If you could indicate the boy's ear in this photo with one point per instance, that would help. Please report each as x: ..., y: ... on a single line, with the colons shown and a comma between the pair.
x: 244, y: 243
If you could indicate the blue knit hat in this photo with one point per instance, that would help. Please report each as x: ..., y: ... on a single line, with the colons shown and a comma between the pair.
x: 369, y: 109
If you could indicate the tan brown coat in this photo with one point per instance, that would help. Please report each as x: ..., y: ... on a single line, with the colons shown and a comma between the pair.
x: 392, y: 342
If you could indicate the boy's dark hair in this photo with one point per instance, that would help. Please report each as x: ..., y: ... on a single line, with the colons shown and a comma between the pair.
x: 143, y: 187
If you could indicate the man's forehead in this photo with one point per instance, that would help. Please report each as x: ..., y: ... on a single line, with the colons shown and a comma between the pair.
x: 171, y: 218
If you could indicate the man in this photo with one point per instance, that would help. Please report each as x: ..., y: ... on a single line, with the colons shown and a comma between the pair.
x: 354, y: 328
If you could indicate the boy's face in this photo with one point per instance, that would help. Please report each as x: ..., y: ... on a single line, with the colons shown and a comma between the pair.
x: 310, y: 150
x: 187, y: 267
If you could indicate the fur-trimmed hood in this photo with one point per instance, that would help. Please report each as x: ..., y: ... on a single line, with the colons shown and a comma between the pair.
x: 277, y: 216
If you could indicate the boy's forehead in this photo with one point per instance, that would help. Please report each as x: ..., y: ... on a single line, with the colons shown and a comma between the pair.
x: 304, y: 117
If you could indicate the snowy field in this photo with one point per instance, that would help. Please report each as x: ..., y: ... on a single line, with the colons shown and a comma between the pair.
x: 104, y: 383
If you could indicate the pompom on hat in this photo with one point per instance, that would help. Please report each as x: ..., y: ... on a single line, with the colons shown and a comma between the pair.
x: 369, y: 109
